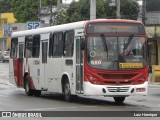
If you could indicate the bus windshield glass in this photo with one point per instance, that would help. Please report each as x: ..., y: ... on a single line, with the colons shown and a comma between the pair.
x: 115, y: 28
x: 116, y: 53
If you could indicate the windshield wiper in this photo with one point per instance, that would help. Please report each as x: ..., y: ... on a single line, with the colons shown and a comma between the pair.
x: 104, y: 43
x: 129, y: 41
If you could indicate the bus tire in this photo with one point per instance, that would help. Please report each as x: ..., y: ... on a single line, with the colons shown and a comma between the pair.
x: 37, y: 93
x: 67, y: 91
x: 119, y: 100
x: 28, y: 91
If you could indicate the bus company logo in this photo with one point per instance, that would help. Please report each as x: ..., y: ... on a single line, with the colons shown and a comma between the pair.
x: 117, y: 83
x: 6, y: 114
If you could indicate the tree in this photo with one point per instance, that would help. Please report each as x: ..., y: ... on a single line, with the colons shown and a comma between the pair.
x: 61, y: 17
x: 25, y: 10
x: 129, y: 9
x: 28, y: 10
x: 5, y: 6
x: 80, y: 10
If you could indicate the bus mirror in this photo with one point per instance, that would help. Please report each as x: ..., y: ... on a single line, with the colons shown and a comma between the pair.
x: 83, y: 44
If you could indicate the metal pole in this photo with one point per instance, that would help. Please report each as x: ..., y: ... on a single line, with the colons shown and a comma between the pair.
x: 144, y: 12
x: 39, y: 15
x: 40, y: 4
x: 92, y: 9
x: 118, y: 15
x: 51, y: 15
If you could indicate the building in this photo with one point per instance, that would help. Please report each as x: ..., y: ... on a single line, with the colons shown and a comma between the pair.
x: 48, y: 14
x: 4, y: 19
x: 153, y: 30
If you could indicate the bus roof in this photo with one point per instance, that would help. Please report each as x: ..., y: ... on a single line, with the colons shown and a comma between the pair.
x: 68, y: 26
x: 50, y: 29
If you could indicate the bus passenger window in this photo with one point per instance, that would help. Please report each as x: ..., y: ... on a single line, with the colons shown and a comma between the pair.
x: 14, y: 47
x: 28, y: 47
x: 68, y: 45
x: 36, y: 46
x: 50, y: 45
x: 57, y: 44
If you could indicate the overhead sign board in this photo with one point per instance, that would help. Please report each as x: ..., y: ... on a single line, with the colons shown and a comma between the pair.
x: 33, y: 25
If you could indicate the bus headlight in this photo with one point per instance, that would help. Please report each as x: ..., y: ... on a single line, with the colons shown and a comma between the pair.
x: 141, y: 80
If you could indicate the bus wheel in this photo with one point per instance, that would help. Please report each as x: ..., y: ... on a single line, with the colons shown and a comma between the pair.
x: 28, y: 91
x: 37, y: 93
x: 119, y: 100
x: 67, y: 91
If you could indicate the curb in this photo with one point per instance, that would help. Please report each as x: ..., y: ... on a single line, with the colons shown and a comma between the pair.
x: 154, y: 84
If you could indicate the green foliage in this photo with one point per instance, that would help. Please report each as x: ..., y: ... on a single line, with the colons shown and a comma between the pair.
x: 48, y: 2
x: 27, y: 10
x: 80, y: 10
x: 130, y: 9
x: 61, y: 17
x: 5, y: 6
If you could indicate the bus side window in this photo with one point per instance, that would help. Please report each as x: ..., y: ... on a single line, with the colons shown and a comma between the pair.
x: 57, y: 44
x: 51, y: 45
x: 36, y: 46
x: 69, y: 43
x: 28, y: 47
x: 14, y: 47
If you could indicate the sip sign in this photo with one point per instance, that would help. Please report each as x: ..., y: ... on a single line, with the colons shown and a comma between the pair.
x: 33, y: 25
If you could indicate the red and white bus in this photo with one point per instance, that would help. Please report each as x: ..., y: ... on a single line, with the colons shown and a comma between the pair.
x: 103, y: 57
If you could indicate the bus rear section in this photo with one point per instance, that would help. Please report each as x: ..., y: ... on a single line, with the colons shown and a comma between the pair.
x: 115, y: 59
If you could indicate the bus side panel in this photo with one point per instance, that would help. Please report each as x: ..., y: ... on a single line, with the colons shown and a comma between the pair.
x: 16, y: 73
x: 12, y: 79
x: 54, y: 75
x: 31, y: 67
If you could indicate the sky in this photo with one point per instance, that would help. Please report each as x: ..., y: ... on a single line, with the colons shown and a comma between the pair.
x: 68, y: 1
x: 140, y: 2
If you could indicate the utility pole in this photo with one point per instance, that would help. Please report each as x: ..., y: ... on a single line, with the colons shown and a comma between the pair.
x: 51, y: 15
x: 92, y: 9
x: 144, y: 12
x: 39, y: 14
x: 118, y: 15
x: 40, y: 4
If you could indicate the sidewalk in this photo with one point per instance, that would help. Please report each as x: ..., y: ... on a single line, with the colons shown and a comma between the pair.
x: 152, y: 83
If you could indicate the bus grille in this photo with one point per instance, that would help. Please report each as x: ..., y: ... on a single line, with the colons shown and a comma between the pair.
x: 118, y: 89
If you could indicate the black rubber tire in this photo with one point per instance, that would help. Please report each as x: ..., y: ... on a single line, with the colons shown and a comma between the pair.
x: 67, y: 92
x: 37, y: 93
x: 119, y: 100
x: 28, y: 91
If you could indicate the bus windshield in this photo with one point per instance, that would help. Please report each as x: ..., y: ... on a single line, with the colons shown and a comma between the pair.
x: 116, y: 53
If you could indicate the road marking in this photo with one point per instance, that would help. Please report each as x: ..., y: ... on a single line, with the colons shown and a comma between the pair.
x: 56, y: 108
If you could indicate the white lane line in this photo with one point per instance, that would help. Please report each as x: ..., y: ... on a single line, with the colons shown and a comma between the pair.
x: 56, y: 108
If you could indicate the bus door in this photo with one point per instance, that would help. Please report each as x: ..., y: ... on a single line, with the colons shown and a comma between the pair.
x: 79, y: 65
x: 43, y: 68
x: 17, y: 61
x: 20, y: 65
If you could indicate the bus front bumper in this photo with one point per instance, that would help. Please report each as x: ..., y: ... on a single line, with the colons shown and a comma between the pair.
x: 112, y: 91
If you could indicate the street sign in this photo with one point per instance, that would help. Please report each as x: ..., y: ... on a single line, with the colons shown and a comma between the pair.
x: 9, y: 30
x: 33, y: 25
